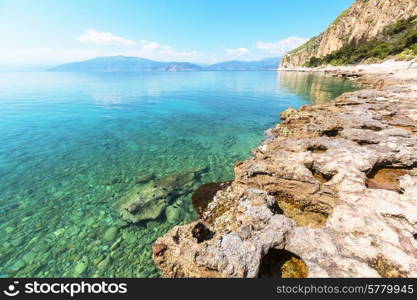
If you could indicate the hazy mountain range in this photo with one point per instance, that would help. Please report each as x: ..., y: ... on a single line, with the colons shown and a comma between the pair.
x: 266, y: 64
x: 137, y: 64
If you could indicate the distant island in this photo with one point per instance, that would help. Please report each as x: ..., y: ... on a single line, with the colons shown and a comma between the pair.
x: 136, y: 64
x: 267, y: 64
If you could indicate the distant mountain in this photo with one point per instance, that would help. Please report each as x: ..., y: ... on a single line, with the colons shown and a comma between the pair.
x: 124, y: 64
x: 267, y: 64
x: 137, y: 64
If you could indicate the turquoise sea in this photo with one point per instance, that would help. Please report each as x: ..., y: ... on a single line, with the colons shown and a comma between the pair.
x: 73, y: 145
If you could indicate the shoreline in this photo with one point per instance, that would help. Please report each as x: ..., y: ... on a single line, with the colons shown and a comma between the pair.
x: 395, y: 70
x: 332, y: 192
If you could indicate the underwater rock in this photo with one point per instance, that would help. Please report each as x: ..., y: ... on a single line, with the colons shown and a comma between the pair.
x: 104, y: 264
x: 90, y: 221
x: 17, y: 266
x: 130, y: 238
x: 110, y: 234
x: 147, y: 202
x: 144, y: 179
x: 332, y: 192
x: 29, y: 257
x: 9, y: 230
x: 81, y: 266
x: 173, y: 214
x: 152, y: 224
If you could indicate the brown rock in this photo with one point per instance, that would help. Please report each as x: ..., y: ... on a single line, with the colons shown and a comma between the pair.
x: 205, y: 194
x: 159, y: 249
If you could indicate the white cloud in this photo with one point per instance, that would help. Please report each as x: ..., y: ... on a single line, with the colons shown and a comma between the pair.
x: 149, y: 46
x: 91, y: 36
x: 239, y: 51
x: 157, y: 51
x: 281, y: 47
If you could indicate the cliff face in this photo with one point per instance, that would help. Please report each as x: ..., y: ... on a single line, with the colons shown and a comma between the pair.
x: 363, y: 21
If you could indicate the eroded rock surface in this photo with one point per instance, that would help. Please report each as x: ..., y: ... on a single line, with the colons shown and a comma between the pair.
x: 332, y: 192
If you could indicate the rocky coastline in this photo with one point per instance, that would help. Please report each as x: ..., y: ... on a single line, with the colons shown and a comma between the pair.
x: 332, y: 192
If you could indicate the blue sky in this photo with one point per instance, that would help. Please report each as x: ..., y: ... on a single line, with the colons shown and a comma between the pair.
x: 57, y: 31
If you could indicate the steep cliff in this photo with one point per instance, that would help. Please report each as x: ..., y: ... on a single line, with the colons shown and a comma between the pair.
x: 362, y: 22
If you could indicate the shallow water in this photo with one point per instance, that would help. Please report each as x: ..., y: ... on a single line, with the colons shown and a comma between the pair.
x: 73, y: 145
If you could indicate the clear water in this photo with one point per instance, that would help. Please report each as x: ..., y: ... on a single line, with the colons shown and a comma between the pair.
x: 73, y: 145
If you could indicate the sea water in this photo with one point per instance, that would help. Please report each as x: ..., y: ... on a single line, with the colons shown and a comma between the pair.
x: 73, y: 145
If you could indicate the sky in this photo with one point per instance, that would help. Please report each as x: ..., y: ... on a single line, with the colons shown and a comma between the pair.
x: 36, y: 32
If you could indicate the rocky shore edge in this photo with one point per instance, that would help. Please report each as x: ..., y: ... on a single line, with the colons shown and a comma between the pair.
x: 332, y: 192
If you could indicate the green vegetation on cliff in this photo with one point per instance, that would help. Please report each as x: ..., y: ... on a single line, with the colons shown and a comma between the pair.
x: 311, y: 45
x: 399, y: 39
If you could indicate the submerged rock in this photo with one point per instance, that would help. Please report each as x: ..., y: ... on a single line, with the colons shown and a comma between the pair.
x: 104, y: 264
x: 173, y: 214
x: 145, y: 179
x: 148, y: 201
x: 205, y: 194
x: 81, y: 266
